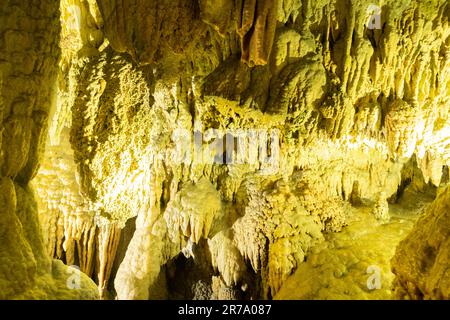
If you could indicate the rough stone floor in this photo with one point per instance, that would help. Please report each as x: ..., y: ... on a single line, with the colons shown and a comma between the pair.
x: 355, y: 263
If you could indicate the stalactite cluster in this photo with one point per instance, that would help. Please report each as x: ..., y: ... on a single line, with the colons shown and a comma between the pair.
x: 246, y: 144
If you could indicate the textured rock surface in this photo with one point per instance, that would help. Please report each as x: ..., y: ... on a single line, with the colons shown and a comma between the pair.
x: 355, y: 263
x: 227, y: 138
x: 28, y: 66
x: 421, y: 260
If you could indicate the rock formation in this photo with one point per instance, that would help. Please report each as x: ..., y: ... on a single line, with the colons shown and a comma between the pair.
x: 29, y: 33
x: 421, y: 260
x: 228, y: 140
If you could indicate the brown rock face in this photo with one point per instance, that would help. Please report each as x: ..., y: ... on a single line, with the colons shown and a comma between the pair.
x: 421, y: 262
x: 141, y: 27
x: 256, y: 26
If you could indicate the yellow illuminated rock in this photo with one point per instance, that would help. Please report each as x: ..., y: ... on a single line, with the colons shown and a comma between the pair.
x: 235, y: 149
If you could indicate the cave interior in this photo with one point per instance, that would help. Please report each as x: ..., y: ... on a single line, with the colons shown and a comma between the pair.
x: 225, y: 149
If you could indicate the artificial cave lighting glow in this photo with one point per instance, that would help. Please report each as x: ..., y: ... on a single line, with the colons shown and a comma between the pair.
x: 205, y: 149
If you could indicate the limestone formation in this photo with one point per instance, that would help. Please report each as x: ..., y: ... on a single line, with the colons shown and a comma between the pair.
x: 421, y: 259
x: 29, y: 33
x: 235, y: 149
x: 381, y: 208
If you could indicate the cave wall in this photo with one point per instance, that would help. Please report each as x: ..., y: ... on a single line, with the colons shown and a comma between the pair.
x: 421, y: 259
x: 29, y: 33
x: 323, y: 109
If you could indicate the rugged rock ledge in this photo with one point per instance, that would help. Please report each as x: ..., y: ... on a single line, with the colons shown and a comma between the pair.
x: 421, y: 260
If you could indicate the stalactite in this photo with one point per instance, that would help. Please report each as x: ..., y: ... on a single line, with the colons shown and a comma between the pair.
x: 226, y: 259
x: 348, y: 39
x: 256, y: 25
x: 86, y: 250
x: 193, y: 211
x: 401, y: 129
x: 421, y: 259
x: 108, y: 240
x: 348, y: 107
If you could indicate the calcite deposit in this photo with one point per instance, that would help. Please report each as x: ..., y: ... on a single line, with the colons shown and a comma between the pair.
x: 421, y: 259
x: 29, y: 55
x: 224, y: 149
